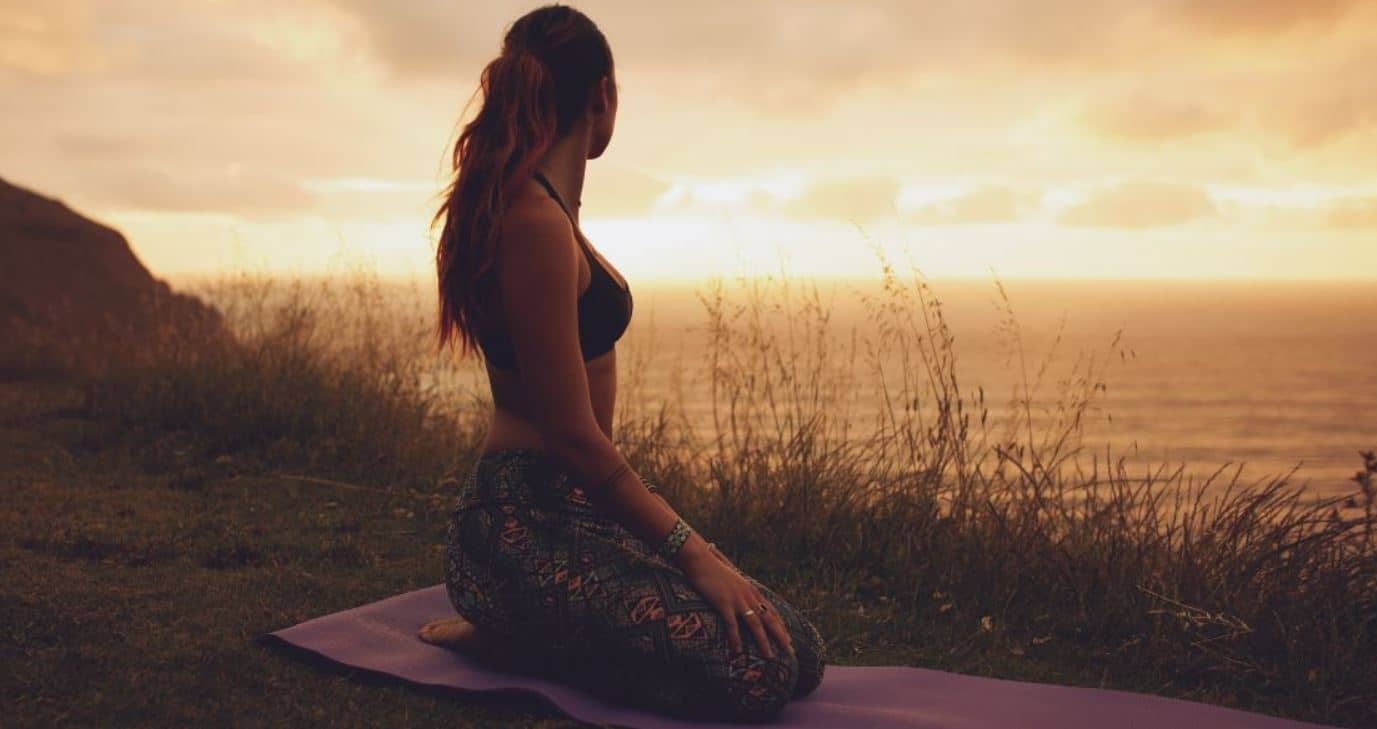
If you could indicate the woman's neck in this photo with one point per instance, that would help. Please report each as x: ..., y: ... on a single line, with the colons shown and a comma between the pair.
x: 564, y: 164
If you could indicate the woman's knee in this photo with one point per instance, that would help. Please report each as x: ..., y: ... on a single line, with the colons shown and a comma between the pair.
x: 743, y: 686
x: 755, y: 688
x: 811, y: 652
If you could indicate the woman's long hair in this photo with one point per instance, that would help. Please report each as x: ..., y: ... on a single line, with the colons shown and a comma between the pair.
x: 552, y: 59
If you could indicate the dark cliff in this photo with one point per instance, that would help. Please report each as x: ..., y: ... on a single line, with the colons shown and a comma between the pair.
x: 75, y: 298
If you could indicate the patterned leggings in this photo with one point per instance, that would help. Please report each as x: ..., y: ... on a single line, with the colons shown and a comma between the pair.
x: 572, y: 595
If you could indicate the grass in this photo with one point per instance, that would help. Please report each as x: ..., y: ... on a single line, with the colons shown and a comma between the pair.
x: 164, y: 515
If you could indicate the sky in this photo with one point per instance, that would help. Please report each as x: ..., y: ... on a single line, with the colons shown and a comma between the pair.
x: 1105, y: 139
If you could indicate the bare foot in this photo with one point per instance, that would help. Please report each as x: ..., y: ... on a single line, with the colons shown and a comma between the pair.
x: 454, y: 632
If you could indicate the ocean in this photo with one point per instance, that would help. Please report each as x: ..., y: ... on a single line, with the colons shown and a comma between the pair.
x: 1263, y: 376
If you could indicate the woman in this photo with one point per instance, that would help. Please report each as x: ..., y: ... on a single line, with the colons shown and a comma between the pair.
x: 561, y: 561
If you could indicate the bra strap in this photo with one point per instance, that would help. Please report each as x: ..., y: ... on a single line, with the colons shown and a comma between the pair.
x: 540, y: 177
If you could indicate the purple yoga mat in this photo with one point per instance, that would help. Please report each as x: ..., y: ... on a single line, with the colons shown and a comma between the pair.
x: 381, y: 637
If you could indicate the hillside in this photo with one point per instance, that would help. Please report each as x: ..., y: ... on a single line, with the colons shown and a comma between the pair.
x: 74, y: 297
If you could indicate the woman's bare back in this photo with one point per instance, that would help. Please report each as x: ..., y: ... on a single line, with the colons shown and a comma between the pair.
x: 513, y: 424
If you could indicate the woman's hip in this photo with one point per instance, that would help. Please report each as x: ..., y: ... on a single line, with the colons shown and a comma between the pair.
x: 524, y: 478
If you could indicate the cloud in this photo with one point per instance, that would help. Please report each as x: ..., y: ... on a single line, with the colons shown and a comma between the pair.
x: 373, y: 199
x: 1307, y: 99
x: 98, y: 145
x: 987, y: 204
x: 149, y: 144
x: 142, y: 39
x: 1358, y: 212
x: 1057, y: 35
x: 1141, y: 204
x: 1147, y: 117
x: 1267, y: 92
x: 45, y: 39
x: 778, y: 58
x: 249, y: 193
x: 1254, y: 17
x: 1328, y: 104
x: 612, y: 191
x: 860, y: 198
x: 700, y: 45
x: 425, y: 39
x: 1291, y: 73
x: 808, y: 56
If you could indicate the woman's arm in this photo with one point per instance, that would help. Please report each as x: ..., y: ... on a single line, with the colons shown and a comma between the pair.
x: 540, y: 300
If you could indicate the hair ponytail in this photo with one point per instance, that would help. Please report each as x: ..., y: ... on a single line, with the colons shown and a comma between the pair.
x: 528, y: 103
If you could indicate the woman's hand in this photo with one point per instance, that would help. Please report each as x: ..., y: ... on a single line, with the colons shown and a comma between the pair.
x: 731, y: 594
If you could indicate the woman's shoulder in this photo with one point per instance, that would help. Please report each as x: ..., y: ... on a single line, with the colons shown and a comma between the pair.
x: 536, y: 231
x: 532, y: 211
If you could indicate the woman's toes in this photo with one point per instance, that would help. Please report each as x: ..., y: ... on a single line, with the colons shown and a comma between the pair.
x: 430, y: 631
x: 447, y: 631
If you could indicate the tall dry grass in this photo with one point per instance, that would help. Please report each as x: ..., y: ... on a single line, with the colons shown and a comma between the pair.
x: 327, y: 374
x: 996, y: 526
x: 955, y: 521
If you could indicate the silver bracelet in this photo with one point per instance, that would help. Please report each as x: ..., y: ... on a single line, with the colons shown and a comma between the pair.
x: 675, y: 540
x: 649, y: 485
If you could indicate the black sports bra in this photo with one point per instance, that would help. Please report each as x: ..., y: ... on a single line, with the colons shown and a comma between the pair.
x: 604, y: 307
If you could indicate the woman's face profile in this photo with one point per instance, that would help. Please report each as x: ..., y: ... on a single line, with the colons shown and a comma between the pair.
x: 604, y: 113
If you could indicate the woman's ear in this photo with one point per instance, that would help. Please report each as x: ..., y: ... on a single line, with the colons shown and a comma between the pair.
x: 606, y: 95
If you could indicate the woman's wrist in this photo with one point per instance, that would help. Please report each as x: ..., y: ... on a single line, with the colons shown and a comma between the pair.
x: 682, y: 545
x: 672, y: 542
x: 694, y: 551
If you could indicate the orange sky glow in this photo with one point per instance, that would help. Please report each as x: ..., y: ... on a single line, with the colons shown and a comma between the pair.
x: 1060, y: 139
